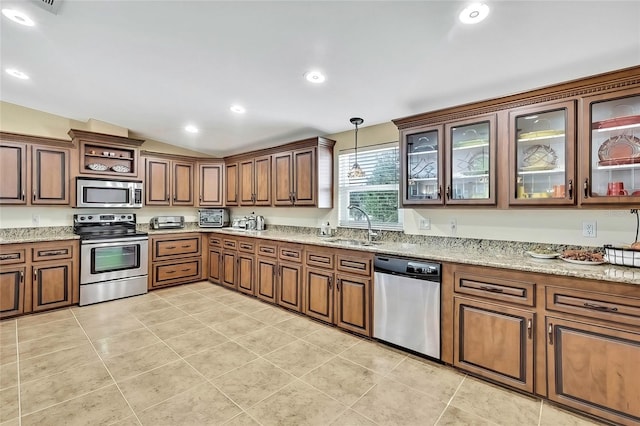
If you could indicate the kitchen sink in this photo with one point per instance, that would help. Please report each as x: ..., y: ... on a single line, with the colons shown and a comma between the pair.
x: 352, y: 242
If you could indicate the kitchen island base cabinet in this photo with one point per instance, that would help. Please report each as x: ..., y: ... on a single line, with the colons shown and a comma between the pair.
x: 594, y: 369
x: 494, y: 341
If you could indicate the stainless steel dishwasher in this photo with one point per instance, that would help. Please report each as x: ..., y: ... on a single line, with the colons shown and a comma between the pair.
x: 407, y: 304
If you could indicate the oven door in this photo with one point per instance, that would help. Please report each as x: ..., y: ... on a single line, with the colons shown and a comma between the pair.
x: 104, y: 260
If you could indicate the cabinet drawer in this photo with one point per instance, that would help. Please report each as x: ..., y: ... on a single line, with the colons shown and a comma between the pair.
x: 187, y: 246
x: 608, y: 307
x: 290, y: 253
x: 9, y: 255
x: 229, y: 244
x: 59, y: 251
x: 215, y: 241
x: 320, y: 259
x: 268, y: 249
x: 518, y: 292
x: 360, y: 265
x: 246, y: 246
x: 174, y: 272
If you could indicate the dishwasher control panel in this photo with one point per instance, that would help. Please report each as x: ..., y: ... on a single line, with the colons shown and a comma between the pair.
x: 411, y: 267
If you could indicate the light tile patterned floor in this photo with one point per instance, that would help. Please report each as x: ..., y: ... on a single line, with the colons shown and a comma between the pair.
x: 201, y: 354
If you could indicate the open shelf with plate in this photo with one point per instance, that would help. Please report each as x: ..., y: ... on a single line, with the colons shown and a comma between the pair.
x: 611, y: 165
x: 542, y: 154
x: 106, y: 155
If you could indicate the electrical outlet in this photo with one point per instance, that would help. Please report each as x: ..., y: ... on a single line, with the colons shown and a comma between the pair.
x: 35, y: 220
x: 589, y: 229
x: 453, y: 225
x: 425, y: 223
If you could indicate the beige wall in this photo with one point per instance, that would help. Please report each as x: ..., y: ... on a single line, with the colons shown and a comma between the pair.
x: 548, y: 226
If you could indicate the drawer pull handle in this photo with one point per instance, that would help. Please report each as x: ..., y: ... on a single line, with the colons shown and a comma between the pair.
x: 171, y: 272
x: 289, y: 254
x: 491, y: 289
x: 599, y: 307
x: 52, y: 253
x: 186, y: 246
x: 550, y: 333
x: 529, y: 328
x: 170, y: 247
x: 354, y: 265
x: 10, y: 256
x: 186, y: 270
x: 266, y: 250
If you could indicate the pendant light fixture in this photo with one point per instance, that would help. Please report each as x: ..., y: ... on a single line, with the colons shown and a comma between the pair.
x: 356, y: 172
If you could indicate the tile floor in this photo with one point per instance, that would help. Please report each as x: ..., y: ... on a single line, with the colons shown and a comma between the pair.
x: 200, y: 354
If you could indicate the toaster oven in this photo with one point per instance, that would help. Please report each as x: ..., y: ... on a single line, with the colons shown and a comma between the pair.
x: 213, y: 218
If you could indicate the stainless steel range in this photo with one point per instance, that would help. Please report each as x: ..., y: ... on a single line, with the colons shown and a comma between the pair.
x: 113, y: 256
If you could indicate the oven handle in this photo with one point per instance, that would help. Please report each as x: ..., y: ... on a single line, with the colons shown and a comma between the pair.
x: 113, y: 241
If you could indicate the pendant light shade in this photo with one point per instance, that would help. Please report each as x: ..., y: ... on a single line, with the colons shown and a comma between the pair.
x: 356, y: 172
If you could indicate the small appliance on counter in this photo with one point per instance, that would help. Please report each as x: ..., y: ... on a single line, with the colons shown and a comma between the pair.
x: 213, y: 218
x: 167, y: 222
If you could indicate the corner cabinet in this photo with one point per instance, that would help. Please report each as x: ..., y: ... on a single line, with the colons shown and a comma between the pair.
x: 210, y: 183
x: 34, y: 171
x: 610, y: 159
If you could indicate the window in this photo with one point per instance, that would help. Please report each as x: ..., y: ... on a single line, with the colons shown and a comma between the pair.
x: 376, y: 193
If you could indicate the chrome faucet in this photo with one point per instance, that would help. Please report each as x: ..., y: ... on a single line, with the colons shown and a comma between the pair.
x: 370, y: 233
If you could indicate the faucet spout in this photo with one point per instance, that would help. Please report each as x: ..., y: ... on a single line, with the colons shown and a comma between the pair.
x: 370, y: 233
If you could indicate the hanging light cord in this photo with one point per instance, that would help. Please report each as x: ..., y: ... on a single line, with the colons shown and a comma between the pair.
x: 356, y: 144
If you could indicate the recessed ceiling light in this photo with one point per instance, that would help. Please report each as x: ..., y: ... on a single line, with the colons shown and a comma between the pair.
x: 191, y: 128
x: 19, y: 17
x: 238, y: 109
x: 17, y: 73
x: 315, y: 77
x: 474, y: 13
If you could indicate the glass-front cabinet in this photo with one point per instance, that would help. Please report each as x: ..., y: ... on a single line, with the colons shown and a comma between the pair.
x: 470, y: 161
x: 542, y: 143
x: 422, y: 166
x: 611, y: 162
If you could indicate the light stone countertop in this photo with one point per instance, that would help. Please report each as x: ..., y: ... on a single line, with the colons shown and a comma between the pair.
x: 474, y: 252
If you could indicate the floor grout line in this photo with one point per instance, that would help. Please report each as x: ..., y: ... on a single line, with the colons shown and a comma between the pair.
x: 19, y: 381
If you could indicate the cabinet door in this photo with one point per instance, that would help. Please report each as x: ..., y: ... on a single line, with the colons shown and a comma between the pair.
x: 318, y: 294
x: 50, y: 175
x: 470, y: 168
x: 231, y: 186
x: 246, y: 180
x: 215, y: 266
x: 494, y: 341
x: 594, y: 369
x: 182, y: 184
x: 12, y: 291
x: 304, y: 177
x: 210, y: 185
x: 290, y: 286
x: 262, y: 184
x: 52, y: 285
x: 157, y: 182
x: 13, y: 173
x: 421, y: 174
x: 229, y: 269
x: 353, y: 303
x: 246, y: 274
x: 282, y: 179
x: 609, y: 160
x: 542, y: 143
x: 266, y: 271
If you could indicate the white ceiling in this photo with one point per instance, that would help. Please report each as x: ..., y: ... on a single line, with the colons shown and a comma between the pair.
x: 155, y: 66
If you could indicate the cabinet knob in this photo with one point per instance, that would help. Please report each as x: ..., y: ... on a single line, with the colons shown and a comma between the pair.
x: 586, y: 188
x: 21, y: 276
x: 529, y: 328
x: 448, y: 192
x: 439, y: 191
x: 22, y: 195
x: 34, y: 195
x: 550, y: 333
x: 570, y: 188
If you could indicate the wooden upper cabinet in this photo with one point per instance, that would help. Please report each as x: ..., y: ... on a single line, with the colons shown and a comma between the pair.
x: 210, y: 179
x: 262, y: 181
x: 246, y: 182
x: 542, y: 154
x: 282, y: 179
x: 304, y: 176
x: 34, y: 170
x: 421, y: 168
x: 169, y: 182
x: 231, y: 184
x: 105, y: 155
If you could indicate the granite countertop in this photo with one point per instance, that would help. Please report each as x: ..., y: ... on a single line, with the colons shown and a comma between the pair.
x: 497, y: 254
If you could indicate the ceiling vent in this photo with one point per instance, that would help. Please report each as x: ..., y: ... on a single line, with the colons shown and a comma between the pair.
x: 49, y: 5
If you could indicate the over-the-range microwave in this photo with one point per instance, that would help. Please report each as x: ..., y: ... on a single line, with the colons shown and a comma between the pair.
x: 108, y: 193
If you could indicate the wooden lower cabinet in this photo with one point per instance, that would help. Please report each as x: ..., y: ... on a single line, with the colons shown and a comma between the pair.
x: 594, y: 369
x: 52, y: 285
x: 318, y: 295
x: 178, y: 271
x: 175, y: 259
x: 246, y: 273
x: 353, y: 303
x: 12, y: 289
x: 289, y: 285
x: 215, y: 266
x: 494, y: 341
x: 266, y: 279
x: 229, y: 269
